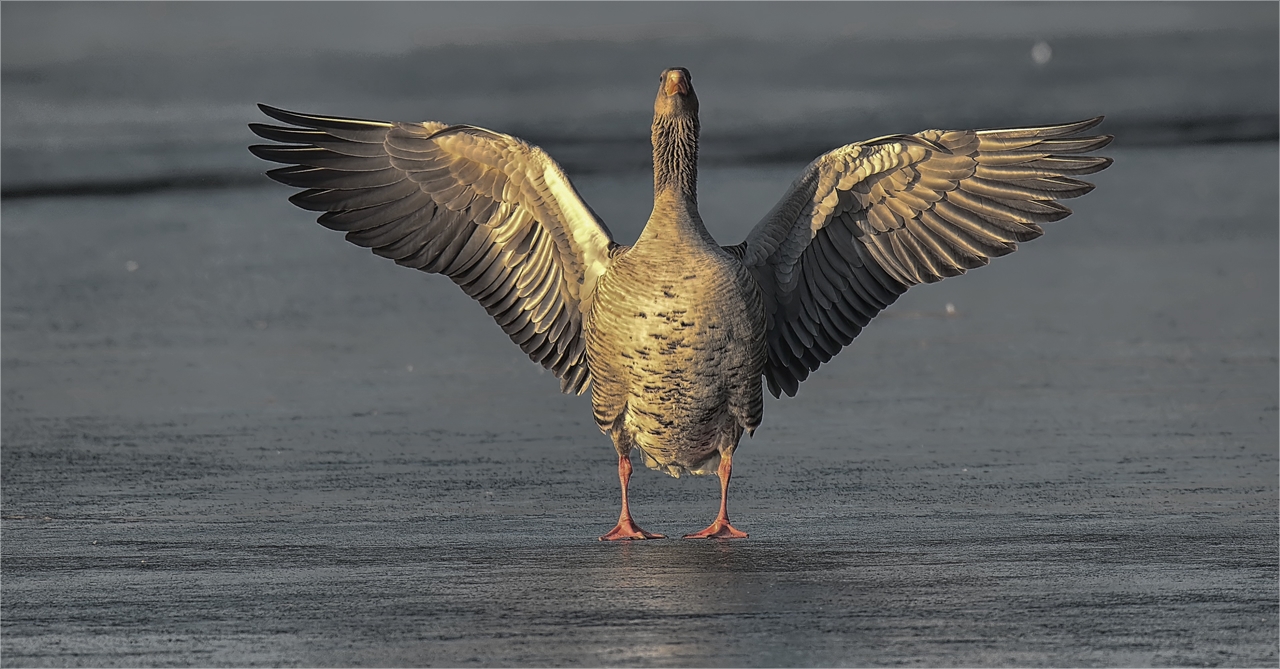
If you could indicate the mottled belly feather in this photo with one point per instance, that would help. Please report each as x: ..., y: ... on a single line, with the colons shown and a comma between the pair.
x: 676, y: 349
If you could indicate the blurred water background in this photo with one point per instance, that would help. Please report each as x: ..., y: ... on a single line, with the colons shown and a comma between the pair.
x: 111, y: 96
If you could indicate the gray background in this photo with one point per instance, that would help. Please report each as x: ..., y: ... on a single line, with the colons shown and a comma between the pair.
x: 230, y: 438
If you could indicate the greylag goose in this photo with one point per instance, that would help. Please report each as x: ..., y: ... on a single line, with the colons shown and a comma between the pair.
x: 675, y: 333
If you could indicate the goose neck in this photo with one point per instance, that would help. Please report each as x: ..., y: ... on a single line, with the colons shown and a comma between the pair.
x: 675, y: 222
x: 675, y: 157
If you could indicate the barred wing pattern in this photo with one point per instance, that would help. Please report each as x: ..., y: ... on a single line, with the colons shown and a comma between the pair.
x: 496, y: 215
x: 867, y: 221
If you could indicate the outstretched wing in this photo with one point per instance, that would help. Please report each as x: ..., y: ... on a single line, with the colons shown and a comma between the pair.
x: 491, y: 212
x: 867, y: 221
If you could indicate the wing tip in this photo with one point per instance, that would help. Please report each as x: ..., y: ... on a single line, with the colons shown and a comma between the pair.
x: 282, y: 115
x: 1086, y: 124
x: 273, y: 153
x: 319, y: 122
x: 1056, y: 130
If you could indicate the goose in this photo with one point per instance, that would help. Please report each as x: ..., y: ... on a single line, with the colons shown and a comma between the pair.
x: 676, y: 335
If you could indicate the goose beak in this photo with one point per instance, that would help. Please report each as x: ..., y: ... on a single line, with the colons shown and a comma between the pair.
x: 677, y: 82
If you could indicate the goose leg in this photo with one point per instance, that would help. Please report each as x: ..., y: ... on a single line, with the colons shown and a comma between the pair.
x: 721, y: 529
x: 626, y: 527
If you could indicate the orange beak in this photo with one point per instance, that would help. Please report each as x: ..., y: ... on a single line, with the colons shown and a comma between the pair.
x: 676, y: 83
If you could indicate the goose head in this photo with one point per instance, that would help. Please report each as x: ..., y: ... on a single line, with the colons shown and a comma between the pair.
x: 675, y: 95
x: 675, y: 135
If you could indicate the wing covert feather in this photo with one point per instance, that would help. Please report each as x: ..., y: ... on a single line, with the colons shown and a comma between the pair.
x: 495, y: 214
x: 865, y: 222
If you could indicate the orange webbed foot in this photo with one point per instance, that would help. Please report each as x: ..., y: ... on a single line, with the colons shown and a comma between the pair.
x: 627, y: 530
x: 721, y: 529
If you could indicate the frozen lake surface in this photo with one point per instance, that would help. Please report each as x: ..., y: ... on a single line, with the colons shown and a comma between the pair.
x: 265, y: 446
